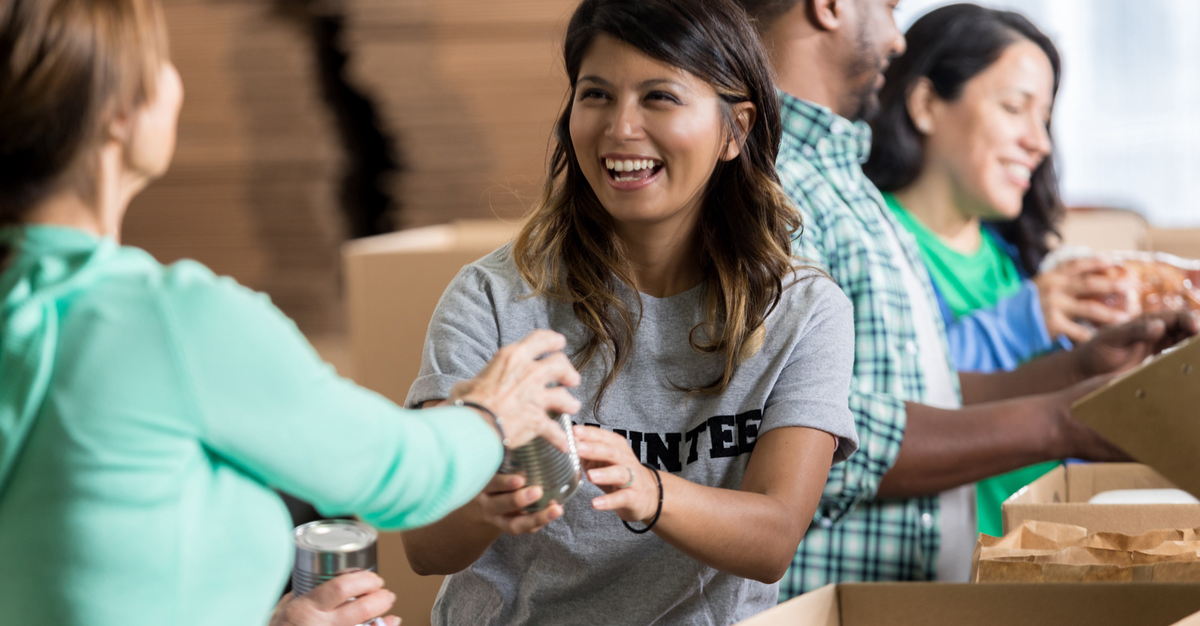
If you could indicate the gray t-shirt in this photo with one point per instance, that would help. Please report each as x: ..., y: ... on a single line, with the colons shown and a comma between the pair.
x: 586, y: 567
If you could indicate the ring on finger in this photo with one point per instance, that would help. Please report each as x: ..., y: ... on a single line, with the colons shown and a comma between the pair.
x: 630, y: 481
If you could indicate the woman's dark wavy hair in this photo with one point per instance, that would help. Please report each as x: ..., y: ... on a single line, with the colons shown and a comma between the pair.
x: 950, y: 46
x: 568, y: 249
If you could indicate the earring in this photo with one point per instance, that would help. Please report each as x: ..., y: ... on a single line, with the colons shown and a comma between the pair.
x: 923, y: 126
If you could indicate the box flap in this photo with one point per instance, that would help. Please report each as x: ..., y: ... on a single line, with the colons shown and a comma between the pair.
x: 1050, y: 487
x: 1087, y: 480
x: 815, y: 608
x: 1151, y: 413
x: 1191, y: 620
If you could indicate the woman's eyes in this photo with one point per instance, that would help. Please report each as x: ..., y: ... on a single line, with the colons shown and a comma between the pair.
x: 653, y: 96
x: 662, y: 96
x: 1011, y: 108
x: 592, y: 94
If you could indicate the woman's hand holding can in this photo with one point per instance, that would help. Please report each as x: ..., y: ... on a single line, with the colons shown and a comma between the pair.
x: 523, y: 383
x: 347, y: 600
x: 630, y: 488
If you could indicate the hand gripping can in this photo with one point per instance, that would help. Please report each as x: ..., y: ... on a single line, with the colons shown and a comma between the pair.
x: 556, y: 472
x: 327, y: 548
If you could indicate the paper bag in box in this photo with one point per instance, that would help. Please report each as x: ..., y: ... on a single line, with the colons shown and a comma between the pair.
x: 1151, y: 413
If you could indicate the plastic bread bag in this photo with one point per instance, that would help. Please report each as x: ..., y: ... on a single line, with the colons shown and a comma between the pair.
x: 1155, y: 281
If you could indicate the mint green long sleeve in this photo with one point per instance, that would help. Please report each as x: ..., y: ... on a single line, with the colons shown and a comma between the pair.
x: 135, y: 482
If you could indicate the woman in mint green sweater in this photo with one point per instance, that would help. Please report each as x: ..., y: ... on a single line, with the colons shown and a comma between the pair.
x: 146, y: 411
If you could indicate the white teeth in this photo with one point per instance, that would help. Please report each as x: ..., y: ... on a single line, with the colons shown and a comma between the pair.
x: 1018, y: 170
x: 630, y: 165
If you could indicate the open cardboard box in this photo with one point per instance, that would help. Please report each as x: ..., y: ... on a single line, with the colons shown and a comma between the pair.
x: 953, y: 604
x: 1151, y: 412
x: 1062, y: 496
x: 393, y: 283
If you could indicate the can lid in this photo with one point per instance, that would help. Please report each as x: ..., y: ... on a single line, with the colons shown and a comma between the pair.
x: 337, y: 535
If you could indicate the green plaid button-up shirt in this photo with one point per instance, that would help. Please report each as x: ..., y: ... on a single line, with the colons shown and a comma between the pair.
x: 855, y: 537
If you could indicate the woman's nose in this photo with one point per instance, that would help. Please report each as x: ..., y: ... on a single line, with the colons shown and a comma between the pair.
x: 626, y: 123
x: 1036, y: 138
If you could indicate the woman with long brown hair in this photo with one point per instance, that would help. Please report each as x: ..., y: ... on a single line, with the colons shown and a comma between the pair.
x: 146, y: 411
x: 715, y: 366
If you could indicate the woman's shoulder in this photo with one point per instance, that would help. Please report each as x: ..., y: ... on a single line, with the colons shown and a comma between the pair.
x: 811, y: 285
x: 495, y: 275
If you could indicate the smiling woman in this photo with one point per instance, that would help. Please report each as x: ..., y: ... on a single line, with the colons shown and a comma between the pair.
x: 715, y: 365
x: 962, y: 151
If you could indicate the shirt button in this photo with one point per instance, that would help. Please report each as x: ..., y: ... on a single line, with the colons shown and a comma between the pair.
x: 837, y: 127
x: 927, y: 520
x: 911, y: 348
x: 825, y: 522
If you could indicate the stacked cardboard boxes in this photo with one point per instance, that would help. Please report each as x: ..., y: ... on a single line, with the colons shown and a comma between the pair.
x: 251, y: 192
x: 471, y: 89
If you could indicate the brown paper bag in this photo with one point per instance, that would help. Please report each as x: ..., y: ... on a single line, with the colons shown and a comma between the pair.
x: 1049, y: 552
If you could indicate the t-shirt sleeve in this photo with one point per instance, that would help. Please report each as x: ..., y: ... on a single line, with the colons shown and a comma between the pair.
x: 1001, y: 337
x: 814, y: 384
x: 266, y: 403
x: 462, y: 337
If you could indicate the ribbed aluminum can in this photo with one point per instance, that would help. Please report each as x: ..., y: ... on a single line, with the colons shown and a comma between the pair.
x: 542, y: 464
x: 326, y: 548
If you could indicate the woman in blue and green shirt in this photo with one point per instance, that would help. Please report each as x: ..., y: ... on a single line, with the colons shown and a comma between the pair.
x: 962, y: 149
x: 146, y: 411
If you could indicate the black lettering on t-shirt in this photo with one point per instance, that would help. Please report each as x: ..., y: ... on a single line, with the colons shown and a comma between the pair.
x: 635, y: 441
x: 721, y: 433
x: 747, y: 430
x: 668, y: 452
x: 693, y: 437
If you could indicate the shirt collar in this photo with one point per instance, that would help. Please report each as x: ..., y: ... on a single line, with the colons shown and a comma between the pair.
x: 806, y: 124
x: 42, y: 240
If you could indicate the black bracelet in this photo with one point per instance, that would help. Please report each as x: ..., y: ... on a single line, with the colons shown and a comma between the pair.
x: 495, y: 418
x: 658, y: 512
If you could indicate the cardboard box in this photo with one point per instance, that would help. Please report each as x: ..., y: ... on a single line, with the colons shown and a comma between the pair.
x: 1151, y: 413
x: 393, y: 283
x: 1105, y: 229
x: 951, y: 604
x: 1061, y: 496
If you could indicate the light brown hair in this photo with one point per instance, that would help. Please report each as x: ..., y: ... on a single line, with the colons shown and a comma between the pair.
x: 567, y: 248
x: 67, y: 69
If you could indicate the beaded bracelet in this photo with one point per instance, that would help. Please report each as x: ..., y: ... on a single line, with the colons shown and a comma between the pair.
x: 658, y: 512
x: 495, y: 418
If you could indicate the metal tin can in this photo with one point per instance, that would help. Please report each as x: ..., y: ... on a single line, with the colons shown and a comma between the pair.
x: 326, y: 548
x: 556, y: 472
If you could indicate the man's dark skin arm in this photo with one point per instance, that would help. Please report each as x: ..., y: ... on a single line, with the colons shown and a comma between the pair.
x: 1004, y: 427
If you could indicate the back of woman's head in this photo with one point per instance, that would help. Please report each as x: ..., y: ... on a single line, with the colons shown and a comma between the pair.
x: 948, y: 47
x: 568, y: 248
x: 67, y: 69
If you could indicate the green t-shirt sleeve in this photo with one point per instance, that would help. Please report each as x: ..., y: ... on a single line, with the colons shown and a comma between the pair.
x: 267, y: 404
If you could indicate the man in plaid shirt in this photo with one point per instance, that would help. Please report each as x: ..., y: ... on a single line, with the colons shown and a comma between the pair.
x: 881, y: 516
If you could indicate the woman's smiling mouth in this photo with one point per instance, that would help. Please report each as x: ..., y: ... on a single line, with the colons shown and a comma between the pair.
x: 627, y: 173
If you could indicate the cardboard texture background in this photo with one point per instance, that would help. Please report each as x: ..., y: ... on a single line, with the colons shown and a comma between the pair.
x: 393, y: 284
x: 982, y: 604
x: 1061, y: 496
x: 1151, y: 413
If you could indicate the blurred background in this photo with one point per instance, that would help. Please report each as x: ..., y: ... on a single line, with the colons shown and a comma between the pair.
x: 311, y: 122
x: 1124, y: 124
